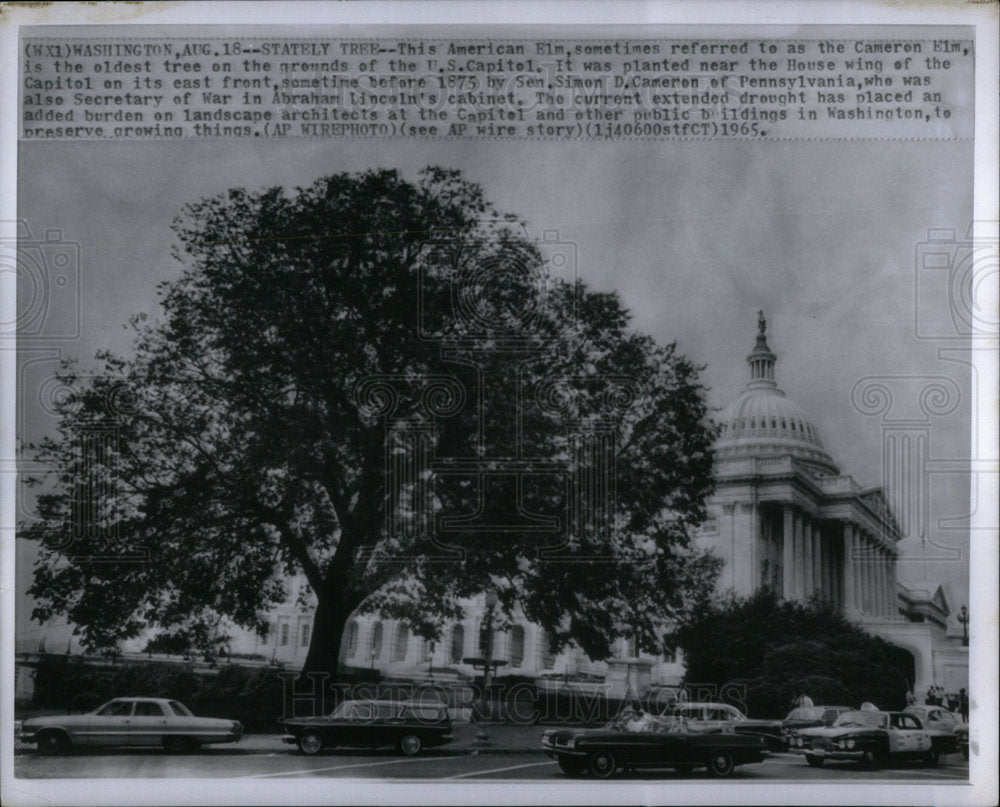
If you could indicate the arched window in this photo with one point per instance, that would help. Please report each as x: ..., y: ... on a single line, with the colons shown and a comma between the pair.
x: 457, y: 644
x: 517, y: 646
x: 669, y: 653
x: 402, y: 640
x: 376, y: 650
x: 631, y: 647
x: 352, y: 639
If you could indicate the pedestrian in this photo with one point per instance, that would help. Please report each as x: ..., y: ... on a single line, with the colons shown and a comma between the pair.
x: 929, y: 700
x: 953, y: 701
x: 911, y: 699
x: 963, y: 704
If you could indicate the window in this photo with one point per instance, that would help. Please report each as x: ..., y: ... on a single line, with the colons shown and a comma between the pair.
x: 669, y: 654
x: 426, y: 650
x: 457, y: 644
x: 517, y: 646
x: 148, y: 709
x: 631, y: 647
x: 116, y: 709
x: 402, y: 641
x: 283, y: 635
x: 304, y: 635
x: 180, y: 709
x: 352, y: 639
x: 376, y: 640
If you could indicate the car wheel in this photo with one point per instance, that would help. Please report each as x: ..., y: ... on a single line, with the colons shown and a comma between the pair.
x: 815, y: 761
x: 870, y: 759
x: 602, y: 764
x: 931, y: 759
x: 54, y: 742
x: 720, y: 763
x: 311, y: 743
x: 179, y: 745
x: 410, y: 745
x: 571, y: 766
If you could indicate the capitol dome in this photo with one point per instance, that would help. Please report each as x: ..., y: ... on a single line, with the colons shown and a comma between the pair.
x: 763, y: 423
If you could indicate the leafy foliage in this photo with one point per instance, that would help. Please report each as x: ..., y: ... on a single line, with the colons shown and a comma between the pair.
x: 778, y: 649
x: 316, y: 341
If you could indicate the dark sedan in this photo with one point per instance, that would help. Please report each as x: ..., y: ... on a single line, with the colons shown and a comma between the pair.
x: 409, y: 727
x: 810, y: 717
x: 649, y: 743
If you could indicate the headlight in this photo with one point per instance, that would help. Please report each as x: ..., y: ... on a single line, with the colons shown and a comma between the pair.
x: 571, y: 743
x: 799, y: 741
x: 850, y: 743
x: 841, y: 744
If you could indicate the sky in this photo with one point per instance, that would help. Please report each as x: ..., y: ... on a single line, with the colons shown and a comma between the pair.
x: 823, y: 236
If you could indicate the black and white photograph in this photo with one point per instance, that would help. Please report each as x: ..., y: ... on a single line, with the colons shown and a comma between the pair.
x: 520, y: 409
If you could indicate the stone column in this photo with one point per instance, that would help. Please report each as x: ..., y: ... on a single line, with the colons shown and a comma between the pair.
x: 879, y: 581
x: 893, y: 597
x: 849, y: 605
x: 787, y: 554
x: 818, y: 583
x: 800, y: 568
x: 864, y: 602
x: 808, y: 580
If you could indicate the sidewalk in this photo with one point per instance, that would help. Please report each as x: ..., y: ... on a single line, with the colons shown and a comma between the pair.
x: 503, y: 739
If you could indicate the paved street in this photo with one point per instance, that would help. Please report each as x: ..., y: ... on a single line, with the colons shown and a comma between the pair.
x: 440, y: 765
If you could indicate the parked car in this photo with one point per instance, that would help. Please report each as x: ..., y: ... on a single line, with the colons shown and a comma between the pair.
x: 409, y: 726
x: 131, y: 722
x: 939, y: 718
x: 873, y: 738
x: 699, y: 718
x: 807, y: 717
x: 649, y: 743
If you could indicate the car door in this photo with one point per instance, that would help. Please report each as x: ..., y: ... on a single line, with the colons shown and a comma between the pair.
x: 906, y: 736
x: 149, y: 724
x: 110, y: 725
x: 357, y: 727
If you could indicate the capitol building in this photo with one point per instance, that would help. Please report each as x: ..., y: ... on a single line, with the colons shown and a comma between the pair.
x: 784, y: 516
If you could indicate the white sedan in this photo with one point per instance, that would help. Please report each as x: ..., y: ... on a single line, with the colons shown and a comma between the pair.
x: 130, y: 722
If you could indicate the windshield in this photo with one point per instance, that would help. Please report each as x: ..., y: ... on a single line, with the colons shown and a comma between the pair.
x: 115, y: 709
x: 806, y: 713
x: 868, y: 720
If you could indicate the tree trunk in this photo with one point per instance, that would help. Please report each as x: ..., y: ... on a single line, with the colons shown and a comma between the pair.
x: 329, y: 623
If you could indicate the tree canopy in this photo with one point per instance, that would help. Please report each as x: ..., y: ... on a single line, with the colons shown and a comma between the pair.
x: 379, y: 384
x: 766, y: 651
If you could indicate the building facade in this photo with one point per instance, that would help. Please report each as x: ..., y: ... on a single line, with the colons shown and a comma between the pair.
x: 783, y: 517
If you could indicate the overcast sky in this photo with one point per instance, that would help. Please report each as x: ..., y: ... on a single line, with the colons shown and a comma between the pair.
x: 696, y: 237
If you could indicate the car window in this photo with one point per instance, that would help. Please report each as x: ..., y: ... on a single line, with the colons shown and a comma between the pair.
x: 386, y: 711
x: 908, y: 722
x: 423, y: 713
x: 732, y: 714
x: 360, y: 711
x: 829, y: 715
x: 148, y: 709
x: 180, y: 709
x: 116, y: 709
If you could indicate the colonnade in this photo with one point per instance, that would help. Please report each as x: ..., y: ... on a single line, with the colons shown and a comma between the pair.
x: 855, y: 572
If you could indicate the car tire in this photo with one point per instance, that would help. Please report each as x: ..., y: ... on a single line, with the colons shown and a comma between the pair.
x: 179, y: 745
x: 720, y: 763
x: 871, y: 759
x: 931, y: 759
x: 571, y: 766
x: 602, y: 764
x: 311, y: 743
x: 815, y: 761
x: 54, y: 742
x: 410, y: 745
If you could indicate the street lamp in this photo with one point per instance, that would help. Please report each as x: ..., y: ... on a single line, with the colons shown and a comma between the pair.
x: 963, y: 617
